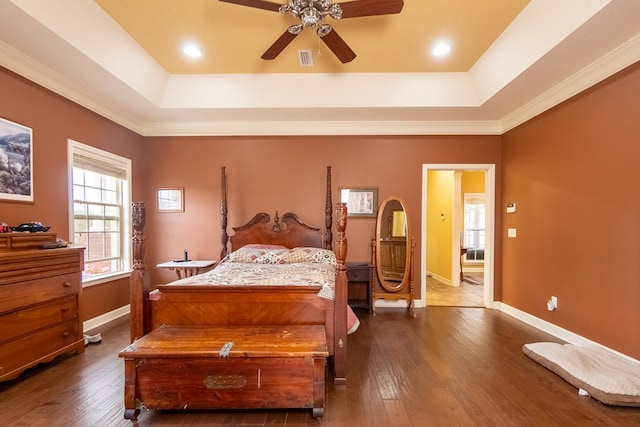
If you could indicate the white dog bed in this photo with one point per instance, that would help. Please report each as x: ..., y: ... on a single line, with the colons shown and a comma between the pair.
x: 606, y: 376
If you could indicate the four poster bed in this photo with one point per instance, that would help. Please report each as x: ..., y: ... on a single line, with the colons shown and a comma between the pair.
x: 192, y: 323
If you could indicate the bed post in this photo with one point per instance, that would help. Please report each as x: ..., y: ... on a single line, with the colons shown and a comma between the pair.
x: 137, y: 289
x: 223, y: 214
x: 328, y: 219
x: 340, y: 332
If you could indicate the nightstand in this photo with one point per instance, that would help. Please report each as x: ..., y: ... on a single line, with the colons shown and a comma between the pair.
x: 186, y: 268
x: 360, y: 280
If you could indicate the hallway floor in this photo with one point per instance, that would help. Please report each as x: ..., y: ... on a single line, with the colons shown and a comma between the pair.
x: 465, y: 295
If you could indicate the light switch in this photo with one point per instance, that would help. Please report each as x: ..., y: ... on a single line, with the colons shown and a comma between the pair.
x: 511, y: 207
x: 511, y: 232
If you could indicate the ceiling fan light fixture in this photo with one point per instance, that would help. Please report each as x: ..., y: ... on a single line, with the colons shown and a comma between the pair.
x: 295, y: 29
x: 335, y: 11
x: 310, y: 17
x: 311, y: 13
x: 323, y: 30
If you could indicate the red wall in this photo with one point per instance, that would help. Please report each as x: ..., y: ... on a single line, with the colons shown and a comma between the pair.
x: 572, y: 172
x: 288, y: 174
x: 54, y: 120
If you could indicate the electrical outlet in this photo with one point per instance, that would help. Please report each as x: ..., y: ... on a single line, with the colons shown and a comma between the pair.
x: 554, y: 300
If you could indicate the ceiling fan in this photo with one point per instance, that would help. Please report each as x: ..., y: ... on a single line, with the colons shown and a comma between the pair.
x: 311, y: 13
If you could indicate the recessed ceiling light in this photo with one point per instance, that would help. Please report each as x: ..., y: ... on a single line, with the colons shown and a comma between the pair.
x: 441, y: 49
x: 192, y: 51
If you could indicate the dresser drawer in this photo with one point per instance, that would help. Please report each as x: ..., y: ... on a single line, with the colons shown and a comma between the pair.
x: 24, y: 294
x: 19, y: 266
x: 39, y: 347
x: 31, y: 319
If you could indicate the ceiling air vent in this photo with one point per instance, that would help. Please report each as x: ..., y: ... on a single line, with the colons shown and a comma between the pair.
x: 306, y: 58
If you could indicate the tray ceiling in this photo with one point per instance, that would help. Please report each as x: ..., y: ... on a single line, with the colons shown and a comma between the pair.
x: 510, y: 60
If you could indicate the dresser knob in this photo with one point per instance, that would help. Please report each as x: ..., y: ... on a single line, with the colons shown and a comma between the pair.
x: 64, y: 308
x: 65, y: 334
x: 67, y: 284
x: 355, y: 274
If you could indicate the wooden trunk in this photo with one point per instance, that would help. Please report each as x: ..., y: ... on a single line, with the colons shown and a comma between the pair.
x: 264, y: 367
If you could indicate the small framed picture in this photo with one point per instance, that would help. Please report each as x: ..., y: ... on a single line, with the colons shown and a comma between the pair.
x: 170, y: 200
x: 361, y: 202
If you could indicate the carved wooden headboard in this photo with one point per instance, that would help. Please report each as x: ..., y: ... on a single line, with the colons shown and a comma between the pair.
x: 288, y: 230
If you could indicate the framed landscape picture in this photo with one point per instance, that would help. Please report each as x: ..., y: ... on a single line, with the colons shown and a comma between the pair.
x: 16, y: 159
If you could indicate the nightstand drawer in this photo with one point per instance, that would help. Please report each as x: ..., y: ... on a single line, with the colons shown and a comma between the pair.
x: 358, y: 273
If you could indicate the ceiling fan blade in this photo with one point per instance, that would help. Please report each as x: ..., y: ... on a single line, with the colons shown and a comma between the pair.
x: 260, y: 4
x: 336, y: 44
x: 282, y: 42
x: 354, y: 9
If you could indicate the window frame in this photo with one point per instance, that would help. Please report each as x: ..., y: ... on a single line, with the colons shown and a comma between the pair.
x: 478, y: 231
x: 75, y: 147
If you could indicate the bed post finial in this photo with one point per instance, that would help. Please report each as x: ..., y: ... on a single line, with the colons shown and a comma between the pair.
x: 223, y: 214
x: 136, y: 280
x: 328, y: 219
x: 276, y: 223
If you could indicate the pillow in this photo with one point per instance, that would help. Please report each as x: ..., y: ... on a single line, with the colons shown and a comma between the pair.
x: 256, y: 255
x: 309, y: 254
x: 249, y: 254
x: 263, y: 246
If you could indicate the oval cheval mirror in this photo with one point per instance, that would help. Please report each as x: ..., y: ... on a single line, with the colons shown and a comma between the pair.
x: 393, y: 254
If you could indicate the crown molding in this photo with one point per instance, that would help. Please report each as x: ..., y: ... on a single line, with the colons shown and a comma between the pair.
x: 34, y: 71
x: 284, y: 128
x: 618, y: 59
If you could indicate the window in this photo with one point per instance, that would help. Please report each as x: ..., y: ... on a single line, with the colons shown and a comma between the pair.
x: 474, y: 221
x: 100, y: 189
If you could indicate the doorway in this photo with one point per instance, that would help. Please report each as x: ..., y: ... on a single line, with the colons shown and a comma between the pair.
x: 455, y: 283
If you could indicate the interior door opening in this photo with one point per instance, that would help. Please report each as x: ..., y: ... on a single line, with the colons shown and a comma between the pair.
x: 457, y: 233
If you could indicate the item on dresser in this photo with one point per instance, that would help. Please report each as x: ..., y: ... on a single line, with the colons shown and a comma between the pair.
x: 30, y: 227
x: 39, y: 307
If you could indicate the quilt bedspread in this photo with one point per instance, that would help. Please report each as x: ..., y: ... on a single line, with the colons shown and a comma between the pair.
x: 251, y: 274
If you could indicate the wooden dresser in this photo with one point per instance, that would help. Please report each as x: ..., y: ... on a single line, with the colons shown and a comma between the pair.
x: 39, y: 306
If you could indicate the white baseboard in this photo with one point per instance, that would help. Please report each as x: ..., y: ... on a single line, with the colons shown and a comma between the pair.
x: 441, y: 279
x: 105, y: 318
x: 555, y: 330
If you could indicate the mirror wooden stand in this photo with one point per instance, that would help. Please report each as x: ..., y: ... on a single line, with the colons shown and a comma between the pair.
x: 392, y: 254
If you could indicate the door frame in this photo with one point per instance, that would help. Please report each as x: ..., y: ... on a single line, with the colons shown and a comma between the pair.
x: 490, y: 200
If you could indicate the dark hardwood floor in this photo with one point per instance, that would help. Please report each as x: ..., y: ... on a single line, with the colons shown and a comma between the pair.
x: 450, y: 366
